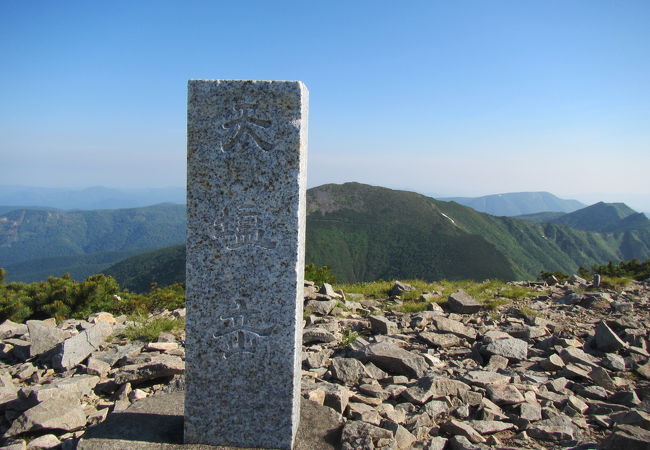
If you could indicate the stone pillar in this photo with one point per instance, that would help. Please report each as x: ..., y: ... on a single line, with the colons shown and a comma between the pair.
x: 246, y: 192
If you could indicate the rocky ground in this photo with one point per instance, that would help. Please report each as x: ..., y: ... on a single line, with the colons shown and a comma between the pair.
x: 567, y: 369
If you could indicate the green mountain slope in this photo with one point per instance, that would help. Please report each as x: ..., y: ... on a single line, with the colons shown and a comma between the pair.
x: 606, y: 217
x: 79, y: 266
x: 164, y: 266
x: 367, y: 233
x: 37, y: 235
x: 517, y: 203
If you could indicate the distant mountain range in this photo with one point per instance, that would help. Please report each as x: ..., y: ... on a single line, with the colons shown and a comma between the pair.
x: 362, y: 232
x: 98, y: 197
x: 35, y: 243
x: 367, y: 233
x: 517, y: 203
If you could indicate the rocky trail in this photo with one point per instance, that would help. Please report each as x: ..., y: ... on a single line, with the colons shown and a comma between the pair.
x: 567, y: 369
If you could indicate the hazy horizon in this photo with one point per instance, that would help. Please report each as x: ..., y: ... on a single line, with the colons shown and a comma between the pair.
x: 452, y: 99
x: 634, y: 201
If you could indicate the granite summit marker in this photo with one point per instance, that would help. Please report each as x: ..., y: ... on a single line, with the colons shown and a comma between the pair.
x: 246, y: 181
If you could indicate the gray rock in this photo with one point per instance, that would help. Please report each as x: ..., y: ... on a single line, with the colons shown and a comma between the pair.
x: 490, y: 426
x: 44, y: 442
x: 347, y: 370
x: 484, y: 378
x: 462, y: 303
x: 399, y: 288
x: 606, y: 340
x: 328, y: 290
x: 557, y: 429
x: 322, y: 308
x: 154, y: 367
x: 441, y: 340
x: 434, y: 387
x: 530, y: 411
x: 505, y: 394
x: 77, y: 348
x: 613, y: 361
x: 114, y: 354
x: 55, y: 414
x: 10, y: 329
x: 44, y: 336
x: 511, y: 348
x: 313, y: 335
x: 381, y: 325
x: 453, y: 326
x: 74, y: 387
x: 396, y: 360
x: 636, y: 417
x: 628, y: 437
x: 363, y: 435
x: 455, y: 427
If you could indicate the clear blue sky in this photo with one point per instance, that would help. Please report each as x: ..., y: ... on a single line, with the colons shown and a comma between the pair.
x: 449, y: 98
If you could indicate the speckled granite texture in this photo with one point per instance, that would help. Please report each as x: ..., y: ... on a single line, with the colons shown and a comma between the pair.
x: 246, y: 163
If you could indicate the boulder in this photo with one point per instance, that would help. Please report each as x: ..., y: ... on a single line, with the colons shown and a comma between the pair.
x: 511, y: 348
x: 155, y: 367
x: 396, y: 360
x: 606, y: 340
x: 320, y: 307
x: 399, y: 288
x: 55, y: 414
x: 453, y: 326
x: 462, y: 303
x: 44, y: 336
x: 77, y: 348
x: 381, y: 325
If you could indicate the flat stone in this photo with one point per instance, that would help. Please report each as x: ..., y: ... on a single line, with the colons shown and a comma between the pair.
x: 328, y: 290
x: 347, y: 370
x: 112, y: 355
x: 558, y: 429
x: 484, y: 378
x: 314, y: 335
x: 576, y: 356
x: 456, y: 427
x: 399, y: 288
x: 441, y: 340
x: 45, y: 441
x: 628, y: 437
x: 320, y: 427
x: 77, y: 348
x: 363, y: 412
x: 161, y: 346
x: 381, y: 325
x: 453, y: 326
x: 155, y: 367
x: 552, y: 363
x: 10, y: 329
x: 44, y: 336
x: 505, y: 394
x: 97, y: 367
x: 74, y: 387
x: 606, y: 340
x: 55, y: 414
x: 490, y: 426
x: 615, y: 362
x: 429, y: 387
x: 530, y: 411
x: 396, y: 360
x: 246, y: 205
x: 462, y: 303
x: 511, y: 348
x: 321, y: 308
x: 636, y: 417
x: 644, y: 370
